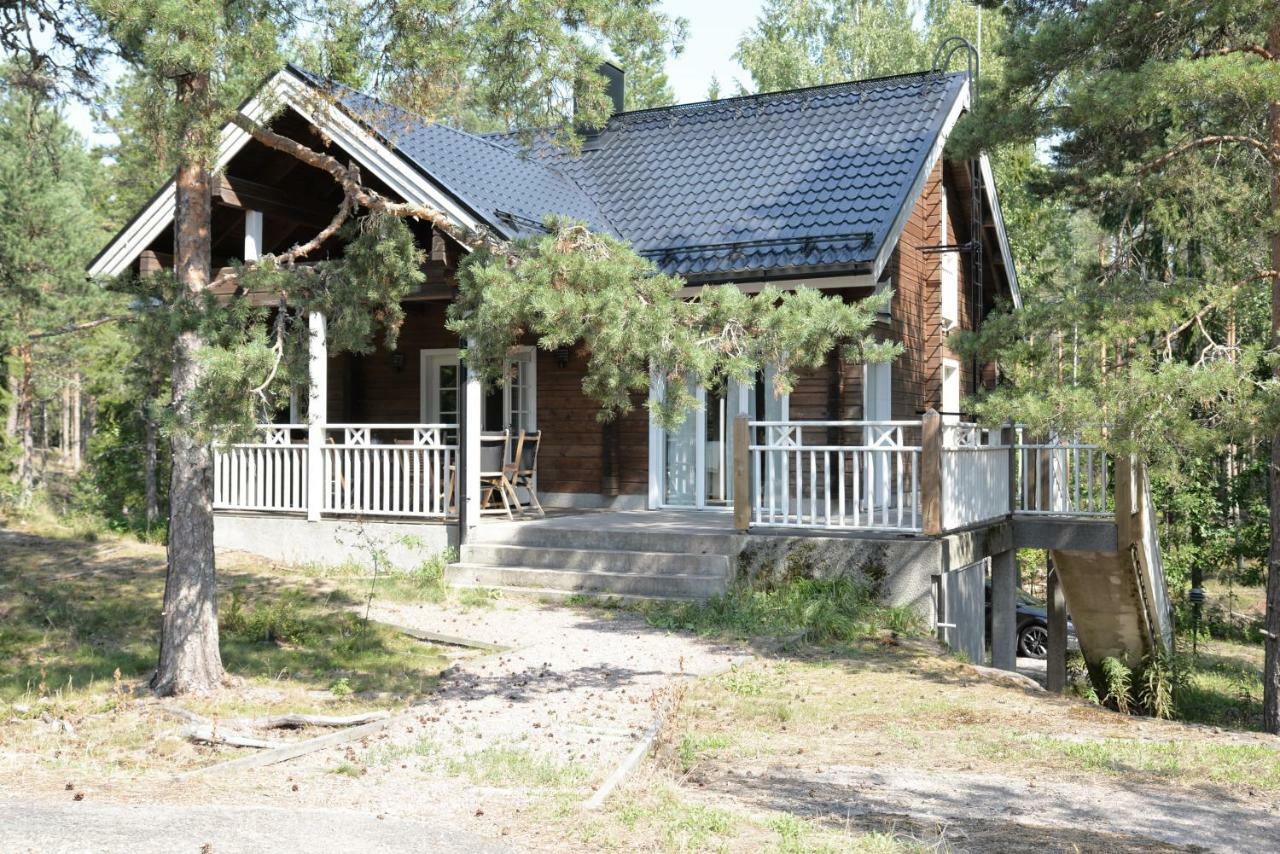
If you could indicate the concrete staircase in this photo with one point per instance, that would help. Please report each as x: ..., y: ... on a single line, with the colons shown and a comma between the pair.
x: 561, y: 557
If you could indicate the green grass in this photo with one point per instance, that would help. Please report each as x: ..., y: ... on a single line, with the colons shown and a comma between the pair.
x: 694, y: 746
x: 516, y: 767
x: 1222, y: 686
x: 1257, y: 766
x: 822, y: 612
x: 70, y: 621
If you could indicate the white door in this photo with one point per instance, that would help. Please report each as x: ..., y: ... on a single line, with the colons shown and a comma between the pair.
x: 512, y: 406
x: 694, y: 462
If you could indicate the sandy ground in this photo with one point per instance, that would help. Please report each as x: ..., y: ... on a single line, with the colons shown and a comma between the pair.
x: 503, y: 756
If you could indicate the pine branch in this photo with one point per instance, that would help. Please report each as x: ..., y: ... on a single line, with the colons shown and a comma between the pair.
x: 304, y: 249
x: 71, y: 328
x: 1214, y: 139
x: 1255, y: 49
x: 348, y: 178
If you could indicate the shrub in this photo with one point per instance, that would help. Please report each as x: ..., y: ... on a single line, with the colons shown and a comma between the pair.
x: 279, y: 621
x: 1117, y: 679
x: 823, y: 611
x: 1157, y: 684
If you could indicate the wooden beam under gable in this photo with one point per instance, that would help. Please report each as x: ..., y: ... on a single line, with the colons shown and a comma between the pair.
x: 230, y: 191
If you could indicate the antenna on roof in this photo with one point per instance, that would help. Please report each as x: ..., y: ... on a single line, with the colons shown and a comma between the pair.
x: 947, y: 51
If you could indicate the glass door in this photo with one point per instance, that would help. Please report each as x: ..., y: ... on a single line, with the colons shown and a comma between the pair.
x: 696, y: 465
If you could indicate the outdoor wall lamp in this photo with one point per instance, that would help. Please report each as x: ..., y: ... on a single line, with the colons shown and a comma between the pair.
x: 397, y: 361
x: 562, y: 356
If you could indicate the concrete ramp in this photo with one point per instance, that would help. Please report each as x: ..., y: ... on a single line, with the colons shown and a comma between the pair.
x: 1118, y: 599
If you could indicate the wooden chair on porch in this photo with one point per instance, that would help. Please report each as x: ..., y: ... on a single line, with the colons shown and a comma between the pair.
x: 522, y: 470
x: 495, y: 450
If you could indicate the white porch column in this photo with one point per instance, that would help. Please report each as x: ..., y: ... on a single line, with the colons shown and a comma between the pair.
x: 317, y: 416
x: 252, y: 235
x: 655, y: 443
x: 472, y: 423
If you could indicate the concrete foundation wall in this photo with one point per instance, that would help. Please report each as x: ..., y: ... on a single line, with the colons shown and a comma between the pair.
x: 332, y: 542
x: 899, y: 571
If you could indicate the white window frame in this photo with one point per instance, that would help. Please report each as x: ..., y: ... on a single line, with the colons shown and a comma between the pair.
x: 658, y: 441
x: 877, y: 391
x: 948, y: 272
x: 429, y: 393
x: 951, y: 393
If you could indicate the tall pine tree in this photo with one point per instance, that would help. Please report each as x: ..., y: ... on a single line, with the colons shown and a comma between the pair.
x: 1164, y: 122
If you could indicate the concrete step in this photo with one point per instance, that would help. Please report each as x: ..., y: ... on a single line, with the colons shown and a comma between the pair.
x: 604, y: 539
x: 673, y: 586
x: 597, y: 560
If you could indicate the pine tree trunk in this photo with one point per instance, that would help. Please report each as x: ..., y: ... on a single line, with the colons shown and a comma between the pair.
x: 190, y: 661
x: 63, y: 446
x: 74, y: 440
x: 23, y: 406
x: 151, y: 489
x: 1271, y: 641
x: 11, y: 417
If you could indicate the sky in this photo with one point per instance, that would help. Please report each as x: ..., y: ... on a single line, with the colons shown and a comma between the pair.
x: 715, y: 26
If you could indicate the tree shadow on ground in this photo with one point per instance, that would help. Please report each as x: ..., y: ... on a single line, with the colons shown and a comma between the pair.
x: 866, y: 806
x: 75, y: 613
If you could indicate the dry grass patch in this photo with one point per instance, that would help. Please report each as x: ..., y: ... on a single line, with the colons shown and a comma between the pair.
x: 899, y: 706
x: 78, y: 639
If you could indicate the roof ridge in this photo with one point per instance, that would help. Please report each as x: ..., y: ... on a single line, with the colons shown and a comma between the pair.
x: 783, y: 93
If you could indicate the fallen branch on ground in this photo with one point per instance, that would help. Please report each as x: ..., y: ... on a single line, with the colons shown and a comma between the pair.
x: 297, y: 721
x: 206, y: 734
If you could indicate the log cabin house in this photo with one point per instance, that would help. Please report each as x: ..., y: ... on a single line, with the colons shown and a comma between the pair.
x: 847, y: 188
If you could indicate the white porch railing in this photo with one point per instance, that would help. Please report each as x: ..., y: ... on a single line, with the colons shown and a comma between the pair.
x: 389, y: 469
x: 367, y: 470
x: 1063, y: 477
x: 975, y: 475
x: 836, y: 474
x: 910, y: 476
x: 266, y: 475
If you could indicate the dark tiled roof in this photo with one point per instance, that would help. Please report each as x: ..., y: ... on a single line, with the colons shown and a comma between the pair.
x: 506, y: 187
x: 800, y: 180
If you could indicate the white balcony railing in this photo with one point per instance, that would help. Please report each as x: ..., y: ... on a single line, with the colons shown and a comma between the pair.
x: 1063, y: 477
x: 270, y: 474
x: 389, y: 469
x: 975, y: 475
x: 836, y: 474
x: 911, y: 476
x: 366, y: 470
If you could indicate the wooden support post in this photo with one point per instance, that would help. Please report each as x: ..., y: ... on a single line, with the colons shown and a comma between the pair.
x: 1008, y: 438
x: 1004, y: 609
x: 1056, y: 666
x: 741, y: 472
x: 656, y: 441
x: 149, y: 263
x: 317, y: 414
x: 252, y: 235
x: 931, y: 471
x: 1044, y: 476
x: 1125, y: 533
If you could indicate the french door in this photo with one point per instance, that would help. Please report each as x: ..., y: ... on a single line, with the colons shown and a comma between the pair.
x: 512, y: 406
x: 694, y: 462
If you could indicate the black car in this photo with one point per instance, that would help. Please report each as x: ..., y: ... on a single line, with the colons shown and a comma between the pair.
x: 1033, y: 626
